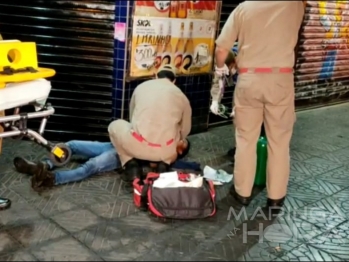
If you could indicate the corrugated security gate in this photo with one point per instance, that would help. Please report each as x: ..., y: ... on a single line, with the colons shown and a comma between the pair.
x: 322, y: 70
x: 76, y: 38
x: 227, y: 8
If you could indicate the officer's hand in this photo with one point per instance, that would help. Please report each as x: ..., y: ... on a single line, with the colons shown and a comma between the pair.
x: 214, y: 107
x: 222, y: 71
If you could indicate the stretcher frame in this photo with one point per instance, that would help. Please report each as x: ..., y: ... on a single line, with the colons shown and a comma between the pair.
x: 16, y: 125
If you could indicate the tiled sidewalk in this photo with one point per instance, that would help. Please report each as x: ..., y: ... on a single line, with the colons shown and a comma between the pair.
x: 95, y: 220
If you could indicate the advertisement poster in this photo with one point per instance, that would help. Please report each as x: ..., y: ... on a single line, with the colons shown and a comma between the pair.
x: 180, y: 33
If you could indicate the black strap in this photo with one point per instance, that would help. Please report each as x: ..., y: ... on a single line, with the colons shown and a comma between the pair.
x: 144, y: 197
x: 10, y: 71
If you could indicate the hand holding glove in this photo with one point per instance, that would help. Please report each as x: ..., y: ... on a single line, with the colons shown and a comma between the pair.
x: 233, y: 113
x: 222, y: 71
x: 214, y: 107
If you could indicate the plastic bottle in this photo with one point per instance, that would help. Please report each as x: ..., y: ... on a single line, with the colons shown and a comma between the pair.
x: 262, y: 156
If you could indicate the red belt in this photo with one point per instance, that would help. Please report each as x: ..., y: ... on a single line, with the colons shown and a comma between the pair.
x: 141, y: 139
x: 266, y: 70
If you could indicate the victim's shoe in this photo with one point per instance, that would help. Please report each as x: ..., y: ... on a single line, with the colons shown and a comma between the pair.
x: 25, y: 166
x: 42, y: 178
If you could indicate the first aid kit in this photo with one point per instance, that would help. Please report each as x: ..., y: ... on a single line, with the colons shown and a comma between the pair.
x: 175, y: 195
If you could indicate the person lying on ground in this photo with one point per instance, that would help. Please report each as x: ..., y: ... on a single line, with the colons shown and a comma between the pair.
x: 160, y: 117
x: 102, y: 157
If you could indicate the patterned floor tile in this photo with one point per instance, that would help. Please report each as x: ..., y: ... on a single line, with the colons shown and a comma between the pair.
x: 339, y: 176
x: 307, y: 252
x: 342, y: 201
x: 120, y: 207
x: 290, y: 230
x: 340, y: 156
x: 17, y: 256
x: 322, y: 186
x: 300, y: 156
x: 36, y: 232
x: 334, y: 242
x: 324, y: 214
x: 76, y: 220
x: 299, y: 196
x: 66, y: 249
x: 18, y: 214
x: 7, y: 243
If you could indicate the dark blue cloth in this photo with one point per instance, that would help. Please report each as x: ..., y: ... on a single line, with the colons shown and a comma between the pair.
x: 182, y: 164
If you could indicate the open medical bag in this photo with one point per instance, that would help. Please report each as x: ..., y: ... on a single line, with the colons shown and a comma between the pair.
x: 177, y: 201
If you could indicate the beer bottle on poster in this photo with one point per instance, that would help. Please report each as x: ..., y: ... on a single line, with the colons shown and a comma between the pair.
x: 173, y: 9
x: 179, y: 48
x: 157, y: 51
x: 167, y: 48
x: 188, y: 50
x: 182, y: 9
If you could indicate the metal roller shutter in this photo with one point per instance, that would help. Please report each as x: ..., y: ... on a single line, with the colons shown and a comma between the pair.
x: 322, y: 69
x: 76, y: 39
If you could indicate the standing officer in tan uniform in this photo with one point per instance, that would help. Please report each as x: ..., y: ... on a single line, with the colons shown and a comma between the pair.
x: 267, y: 32
x: 160, y: 121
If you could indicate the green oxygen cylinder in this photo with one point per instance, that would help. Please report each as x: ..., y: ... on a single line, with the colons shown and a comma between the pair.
x: 262, y: 156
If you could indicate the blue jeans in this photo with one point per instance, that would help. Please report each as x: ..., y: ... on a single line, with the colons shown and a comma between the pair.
x: 102, y: 157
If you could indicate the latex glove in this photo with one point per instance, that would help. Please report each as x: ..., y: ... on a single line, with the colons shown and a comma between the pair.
x: 233, y: 113
x: 233, y: 71
x: 214, y: 107
x: 222, y: 71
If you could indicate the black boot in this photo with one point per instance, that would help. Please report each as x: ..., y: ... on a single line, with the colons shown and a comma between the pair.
x: 4, y: 203
x: 275, y: 203
x: 25, y: 166
x: 42, y: 178
x: 132, y: 171
x: 245, y: 201
x: 162, y: 168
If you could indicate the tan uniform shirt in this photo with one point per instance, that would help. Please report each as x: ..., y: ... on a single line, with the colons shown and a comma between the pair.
x: 160, y: 111
x: 266, y: 30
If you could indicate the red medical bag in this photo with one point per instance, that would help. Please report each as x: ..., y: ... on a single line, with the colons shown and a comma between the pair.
x: 175, y: 202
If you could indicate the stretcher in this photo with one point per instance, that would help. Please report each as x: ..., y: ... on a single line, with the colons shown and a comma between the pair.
x: 35, y: 93
x: 22, y: 83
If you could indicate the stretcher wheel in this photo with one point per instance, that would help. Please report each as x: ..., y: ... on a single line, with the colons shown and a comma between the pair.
x: 60, y: 154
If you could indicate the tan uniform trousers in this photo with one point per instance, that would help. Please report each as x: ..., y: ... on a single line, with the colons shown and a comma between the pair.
x: 128, y: 147
x: 267, y: 97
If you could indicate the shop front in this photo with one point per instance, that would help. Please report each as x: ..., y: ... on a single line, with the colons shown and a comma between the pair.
x: 102, y: 51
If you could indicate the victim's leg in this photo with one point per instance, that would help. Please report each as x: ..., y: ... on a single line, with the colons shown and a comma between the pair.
x: 86, y: 149
x: 105, y: 162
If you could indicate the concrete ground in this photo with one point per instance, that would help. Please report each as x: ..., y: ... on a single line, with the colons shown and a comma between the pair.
x: 95, y: 220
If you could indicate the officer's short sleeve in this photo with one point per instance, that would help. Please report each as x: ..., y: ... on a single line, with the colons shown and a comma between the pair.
x: 301, y: 9
x: 230, y: 31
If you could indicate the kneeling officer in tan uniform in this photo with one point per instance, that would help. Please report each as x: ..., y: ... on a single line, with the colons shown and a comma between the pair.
x: 160, y: 121
x: 267, y: 32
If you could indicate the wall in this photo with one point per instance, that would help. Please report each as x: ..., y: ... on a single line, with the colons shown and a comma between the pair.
x: 76, y: 39
x: 322, y: 70
x: 197, y: 88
